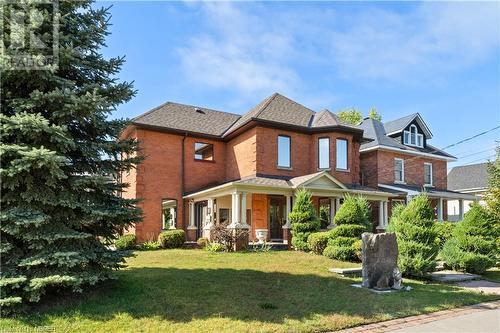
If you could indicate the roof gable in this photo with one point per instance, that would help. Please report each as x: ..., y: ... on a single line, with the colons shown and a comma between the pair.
x: 319, y: 180
x: 398, y: 125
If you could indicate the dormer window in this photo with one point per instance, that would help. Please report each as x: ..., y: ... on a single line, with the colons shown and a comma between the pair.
x: 413, y: 138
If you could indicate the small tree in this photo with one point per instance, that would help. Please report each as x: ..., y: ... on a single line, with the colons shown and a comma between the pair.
x: 350, y: 116
x: 417, y: 239
x: 304, y: 220
x: 373, y: 114
x: 473, y: 245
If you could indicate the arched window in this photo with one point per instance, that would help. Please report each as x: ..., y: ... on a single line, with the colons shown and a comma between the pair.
x: 412, y: 137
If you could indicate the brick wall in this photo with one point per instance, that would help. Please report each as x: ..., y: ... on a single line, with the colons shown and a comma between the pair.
x: 304, y: 154
x: 241, y: 155
x: 383, y: 171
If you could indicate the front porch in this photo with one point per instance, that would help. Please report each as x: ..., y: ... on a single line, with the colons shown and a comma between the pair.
x: 262, y: 205
x: 438, y: 198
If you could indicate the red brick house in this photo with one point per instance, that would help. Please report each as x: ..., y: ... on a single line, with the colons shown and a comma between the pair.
x: 399, y: 159
x: 204, y: 167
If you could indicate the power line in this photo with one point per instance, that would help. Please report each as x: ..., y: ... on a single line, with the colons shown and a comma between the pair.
x: 391, y: 163
x: 476, y: 153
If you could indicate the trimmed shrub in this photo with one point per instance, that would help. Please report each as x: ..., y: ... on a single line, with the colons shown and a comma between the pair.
x: 171, y: 239
x: 352, y: 219
x: 348, y: 230
x: 343, y: 253
x: 324, y: 216
x: 303, y: 219
x: 417, y: 239
x: 317, y: 241
x: 473, y: 247
x: 215, y: 247
x: 342, y: 241
x: 444, y: 231
x: 149, y: 246
x: 203, y: 242
x: 125, y: 242
x: 354, y: 210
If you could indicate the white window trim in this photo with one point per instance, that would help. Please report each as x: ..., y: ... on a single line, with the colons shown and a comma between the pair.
x: 337, y: 168
x: 328, y: 154
x: 431, y: 183
x: 417, y: 135
x: 284, y: 167
x: 402, y: 181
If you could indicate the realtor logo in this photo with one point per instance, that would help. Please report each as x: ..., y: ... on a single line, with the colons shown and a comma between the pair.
x: 29, y: 34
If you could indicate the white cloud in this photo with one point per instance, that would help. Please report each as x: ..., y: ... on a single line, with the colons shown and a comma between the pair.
x: 253, y: 48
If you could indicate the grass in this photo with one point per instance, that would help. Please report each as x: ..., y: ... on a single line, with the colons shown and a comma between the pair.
x: 197, y: 291
x: 492, y: 274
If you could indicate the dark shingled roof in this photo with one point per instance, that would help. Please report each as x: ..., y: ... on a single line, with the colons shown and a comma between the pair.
x: 399, y: 124
x: 187, y: 118
x: 474, y: 176
x: 377, y: 131
x: 276, y: 108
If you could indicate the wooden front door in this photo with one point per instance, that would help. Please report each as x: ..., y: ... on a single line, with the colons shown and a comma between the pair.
x: 276, y: 217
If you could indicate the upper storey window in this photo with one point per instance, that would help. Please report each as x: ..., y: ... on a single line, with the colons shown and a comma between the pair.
x: 203, y: 151
x: 341, y: 148
x: 428, y: 174
x: 324, y: 153
x: 399, y: 170
x: 413, y: 138
x: 284, y: 148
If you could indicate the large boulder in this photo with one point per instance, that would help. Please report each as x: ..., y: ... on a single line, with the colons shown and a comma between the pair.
x: 380, y: 260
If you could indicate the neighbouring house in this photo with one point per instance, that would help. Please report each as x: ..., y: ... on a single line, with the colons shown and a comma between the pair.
x: 469, y: 179
x: 204, y: 167
x: 400, y: 159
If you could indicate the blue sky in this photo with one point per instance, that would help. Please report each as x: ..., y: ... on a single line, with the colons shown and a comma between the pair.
x: 439, y: 59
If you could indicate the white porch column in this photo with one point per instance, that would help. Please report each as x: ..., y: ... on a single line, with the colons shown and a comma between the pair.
x: 460, y: 209
x: 191, y: 216
x: 209, y: 219
x: 386, y: 214
x: 172, y: 217
x: 288, y: 209
x: 440, y: 210
x: 243, y: 213
x: 237, y: 222
x: 337, y: 205
x: 381, y: 218
x: 332, y: 213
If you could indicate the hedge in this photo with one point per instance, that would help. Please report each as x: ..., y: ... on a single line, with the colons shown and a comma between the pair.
x: 125, y: 242
x: 171, y: 239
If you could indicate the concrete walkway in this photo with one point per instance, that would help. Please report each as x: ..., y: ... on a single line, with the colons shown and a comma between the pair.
x: 478, y: 318
x: 477, y: 322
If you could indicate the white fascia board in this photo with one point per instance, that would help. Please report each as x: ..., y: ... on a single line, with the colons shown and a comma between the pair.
x: 411, y: 152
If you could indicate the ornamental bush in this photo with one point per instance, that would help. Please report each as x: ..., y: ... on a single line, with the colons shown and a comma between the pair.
x: 354, y: 210
x: 444, y: 231
x: 473, y: 247
x: 171, y: 239
x: 317, y: 241
x: 352, y: 219
x: 348, y: 230
x: 125, y: 242
x: 303, y: 219
x: 203, y: 242
x: 417, y: 238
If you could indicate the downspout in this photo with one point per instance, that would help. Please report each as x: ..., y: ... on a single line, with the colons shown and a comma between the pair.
x: 182, y: 179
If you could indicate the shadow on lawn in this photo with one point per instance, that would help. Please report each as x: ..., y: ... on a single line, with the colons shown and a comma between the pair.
x: 182, y: 295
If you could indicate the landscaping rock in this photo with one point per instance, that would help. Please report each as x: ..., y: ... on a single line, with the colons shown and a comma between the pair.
x: 380, y: 260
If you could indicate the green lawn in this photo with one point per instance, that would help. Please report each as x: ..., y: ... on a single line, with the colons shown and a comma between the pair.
x: 492, y: 275
x: 197, y: 291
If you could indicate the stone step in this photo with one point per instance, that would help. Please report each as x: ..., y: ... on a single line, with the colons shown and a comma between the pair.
x: 452, y: 276
x: 356, y: 271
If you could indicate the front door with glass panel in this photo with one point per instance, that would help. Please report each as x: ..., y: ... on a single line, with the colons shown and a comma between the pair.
x: 200, y: 216
x: 276, y: 217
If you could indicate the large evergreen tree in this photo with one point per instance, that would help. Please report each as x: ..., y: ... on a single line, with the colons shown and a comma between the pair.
x: 60, y: 157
